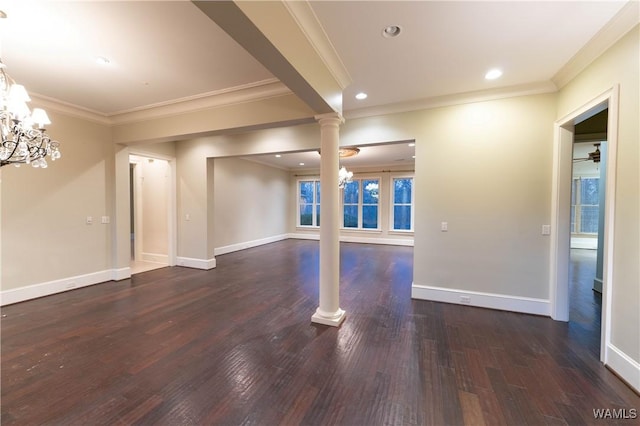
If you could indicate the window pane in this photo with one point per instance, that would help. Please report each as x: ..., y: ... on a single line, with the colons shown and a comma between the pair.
x: 318, y: 193
x: 370, y: 192
x: 402, y: 217
x: 574, y: 191
x: 589, y: 219
x: 318, y: 215
x: 402, y: 191
x: 351, y: 216
x: 306, y: 192
x: 306, y: 218
x: 351, y: 192
x: 370, y: 217
x: 589, y: 191
x: 573, y: 219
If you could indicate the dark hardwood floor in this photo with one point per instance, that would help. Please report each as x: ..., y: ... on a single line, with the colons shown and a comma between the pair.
x: 235, y: 345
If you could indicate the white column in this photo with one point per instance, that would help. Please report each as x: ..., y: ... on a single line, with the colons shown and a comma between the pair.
x: 329, y: 312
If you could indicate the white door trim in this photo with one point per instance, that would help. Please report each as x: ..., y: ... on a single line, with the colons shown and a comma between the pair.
x: 560, y: 210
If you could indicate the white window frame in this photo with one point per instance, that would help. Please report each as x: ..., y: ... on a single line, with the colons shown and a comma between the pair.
x: 392, y: 204
x: 577, y: 211
x: 361, y: 205
x: 315, y: 204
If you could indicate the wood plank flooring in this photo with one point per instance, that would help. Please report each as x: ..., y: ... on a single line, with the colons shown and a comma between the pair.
x: 235, y: 346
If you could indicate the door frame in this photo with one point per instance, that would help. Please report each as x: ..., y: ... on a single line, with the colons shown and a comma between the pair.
x: 561, y: 210
x: 171, y: 205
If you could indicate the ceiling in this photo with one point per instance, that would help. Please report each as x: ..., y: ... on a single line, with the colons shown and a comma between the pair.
x: 163, y: 51
x: 382, y: 155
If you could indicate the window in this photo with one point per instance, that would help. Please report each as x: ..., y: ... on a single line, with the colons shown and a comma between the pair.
x: 309, y: 203
x: 402, y: 208
x: 360, y: 204
x: 584, y: 205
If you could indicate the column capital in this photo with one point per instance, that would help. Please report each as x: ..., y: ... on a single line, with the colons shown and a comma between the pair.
x: 330, y: 118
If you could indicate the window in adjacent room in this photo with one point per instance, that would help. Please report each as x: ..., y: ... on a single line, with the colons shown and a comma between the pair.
x: 402, y: 207
x: 584, y: 205
x: 309, y: 203
x: 361, y: 204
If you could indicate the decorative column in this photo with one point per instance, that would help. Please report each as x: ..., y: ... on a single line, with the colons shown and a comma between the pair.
x: 329, y: 312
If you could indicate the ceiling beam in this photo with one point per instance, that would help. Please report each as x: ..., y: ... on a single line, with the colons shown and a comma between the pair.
x: 273, y: 33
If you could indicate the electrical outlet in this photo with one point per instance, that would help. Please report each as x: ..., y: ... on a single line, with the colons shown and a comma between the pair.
x: 444, y: 226
x: 89, y: 220
x: 465, y: 299
x: 546, y: 229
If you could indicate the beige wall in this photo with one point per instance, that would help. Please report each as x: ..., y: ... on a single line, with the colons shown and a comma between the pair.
x: 251, y: 202
x: 44, y: 212
x: 620, y: 65
x: 485, y: 169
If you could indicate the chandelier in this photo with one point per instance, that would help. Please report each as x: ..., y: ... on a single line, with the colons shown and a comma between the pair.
x: 344, y: 177
x: 24, y: 139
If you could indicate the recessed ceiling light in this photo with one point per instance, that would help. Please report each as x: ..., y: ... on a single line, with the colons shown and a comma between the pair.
x: 302, y: 164
x: 413, y: 156
x: 493, y: 74
x: 278, y: 155
x: 360, y: 96
x: 391, y: 31
x: 412, y: 144
x: 102, y: 60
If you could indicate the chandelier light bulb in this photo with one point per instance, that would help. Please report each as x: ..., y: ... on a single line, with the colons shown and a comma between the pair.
x: 17, y: 93
x: 40, y: 117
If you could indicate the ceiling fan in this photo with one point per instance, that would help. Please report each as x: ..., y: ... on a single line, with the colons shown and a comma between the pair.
x: 593, y: 156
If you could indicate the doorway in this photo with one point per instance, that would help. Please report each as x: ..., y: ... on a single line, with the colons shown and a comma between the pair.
x: 149, y: 219
x: 565, y: 130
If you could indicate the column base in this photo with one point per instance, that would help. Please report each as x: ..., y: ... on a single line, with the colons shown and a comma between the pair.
x: 331, y: 319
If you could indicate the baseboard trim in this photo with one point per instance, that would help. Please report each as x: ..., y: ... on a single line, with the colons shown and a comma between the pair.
x: 304, y: 236
x: 248, y: 244
x: 361, y: 240
x: 483, y: 300
x: 8, y: 297
x: 190, y: 262
x: 624, y: 366
x: 121, y: 274
x: 155, y: 257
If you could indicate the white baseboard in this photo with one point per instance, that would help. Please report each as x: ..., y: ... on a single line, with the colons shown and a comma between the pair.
x: 502, y: 302
x: 624, y: 366
x: 154, y: 257
x: 34, y: 291
x: 356, y: 239
x: 121, y: 274
x: 190, y: 262
x: 304, y: 236
x: 248, y: 244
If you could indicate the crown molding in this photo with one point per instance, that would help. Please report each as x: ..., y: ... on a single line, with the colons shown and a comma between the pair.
x: 239, y: 94
x: 623, y: 22
x: 457, y: 99
x: 309, y: 24
x: 70, y: 109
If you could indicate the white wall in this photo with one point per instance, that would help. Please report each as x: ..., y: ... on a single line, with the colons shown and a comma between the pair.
x: 45, y: 237
x: 250, y: 204
x: 620, y: 65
